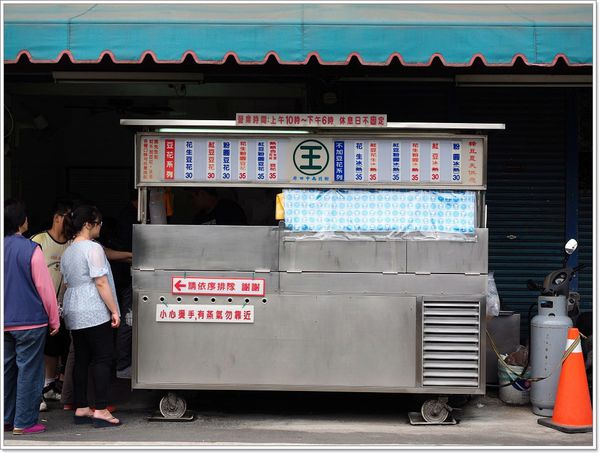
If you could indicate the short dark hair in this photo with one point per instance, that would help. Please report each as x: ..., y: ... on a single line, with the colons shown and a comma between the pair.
x: 14, y: 216
x: 81, y: 215
x: 212, y: 191
x: 61, y: 207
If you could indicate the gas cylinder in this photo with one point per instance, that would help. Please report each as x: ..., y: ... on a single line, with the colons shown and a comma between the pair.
x: 548, y: 340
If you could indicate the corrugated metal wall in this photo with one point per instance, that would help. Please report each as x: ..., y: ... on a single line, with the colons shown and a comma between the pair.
x: 586, y: 183
x: 584, y: 236
x: 526, y: 187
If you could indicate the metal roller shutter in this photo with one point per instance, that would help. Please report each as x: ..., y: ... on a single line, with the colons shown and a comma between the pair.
x: 585, y: 237
x: 526, y: 187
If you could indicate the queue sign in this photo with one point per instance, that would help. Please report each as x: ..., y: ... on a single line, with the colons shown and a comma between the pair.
x: 218, y: 286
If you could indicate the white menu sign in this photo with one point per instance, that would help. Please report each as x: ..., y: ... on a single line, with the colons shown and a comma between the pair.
x: 305, y: 160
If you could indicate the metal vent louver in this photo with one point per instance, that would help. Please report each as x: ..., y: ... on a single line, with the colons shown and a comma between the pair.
x: 451, y: 343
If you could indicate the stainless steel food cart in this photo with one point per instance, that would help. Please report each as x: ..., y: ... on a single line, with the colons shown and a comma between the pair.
x: 298, y: 310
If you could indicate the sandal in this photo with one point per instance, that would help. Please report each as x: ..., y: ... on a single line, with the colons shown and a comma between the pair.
x: 82, y: 419
x: 105, y: 422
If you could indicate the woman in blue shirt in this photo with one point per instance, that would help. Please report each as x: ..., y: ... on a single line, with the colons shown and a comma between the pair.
x: 90, y: 311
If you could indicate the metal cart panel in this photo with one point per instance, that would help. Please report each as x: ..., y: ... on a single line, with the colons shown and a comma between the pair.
x: 342, y: 255
x: 206, y: 247
x: 295, y: 341
x: 449, y: 257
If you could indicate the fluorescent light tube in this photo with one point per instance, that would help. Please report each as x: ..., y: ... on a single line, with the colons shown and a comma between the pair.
x: 231, y: 131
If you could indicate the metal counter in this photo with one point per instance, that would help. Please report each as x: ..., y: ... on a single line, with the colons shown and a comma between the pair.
x: 375, y: 315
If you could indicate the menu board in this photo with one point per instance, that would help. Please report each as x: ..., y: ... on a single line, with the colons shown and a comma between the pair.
x: 311, y: 160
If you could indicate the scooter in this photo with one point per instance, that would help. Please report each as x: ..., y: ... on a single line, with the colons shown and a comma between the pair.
x: 549, y: 332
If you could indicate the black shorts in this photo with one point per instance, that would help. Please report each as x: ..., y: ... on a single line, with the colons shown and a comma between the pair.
x: 58, y: 345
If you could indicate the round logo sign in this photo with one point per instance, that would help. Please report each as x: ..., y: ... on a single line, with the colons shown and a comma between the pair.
x: 311, y: 157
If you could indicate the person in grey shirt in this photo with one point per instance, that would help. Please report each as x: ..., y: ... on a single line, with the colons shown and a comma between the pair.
x: 90, y: 311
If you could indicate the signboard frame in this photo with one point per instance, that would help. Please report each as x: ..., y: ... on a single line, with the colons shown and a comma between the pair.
x: 345, y: 134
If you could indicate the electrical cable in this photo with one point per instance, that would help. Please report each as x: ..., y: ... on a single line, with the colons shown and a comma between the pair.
x: 533, y: 379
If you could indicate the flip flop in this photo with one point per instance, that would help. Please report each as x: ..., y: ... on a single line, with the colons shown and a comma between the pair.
x: 105, y: 423
x: 82, y: 419
x: 109, y: 408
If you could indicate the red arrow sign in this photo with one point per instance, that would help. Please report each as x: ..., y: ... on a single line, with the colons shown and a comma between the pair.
x: 178, y: 285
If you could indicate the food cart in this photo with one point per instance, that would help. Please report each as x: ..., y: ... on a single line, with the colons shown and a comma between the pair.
x: 374, y: 281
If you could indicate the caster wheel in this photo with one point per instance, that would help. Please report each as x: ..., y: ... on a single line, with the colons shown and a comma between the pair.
x: 172, y: 406
x: 434, y: 411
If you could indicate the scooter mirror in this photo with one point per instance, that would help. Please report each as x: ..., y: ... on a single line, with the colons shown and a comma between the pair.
x: 570, y: 246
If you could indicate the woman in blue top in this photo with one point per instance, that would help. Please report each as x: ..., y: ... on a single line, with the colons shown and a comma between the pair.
x: 90, y: 311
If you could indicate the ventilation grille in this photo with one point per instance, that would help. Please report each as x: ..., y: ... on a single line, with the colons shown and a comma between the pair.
x: 451, y: 343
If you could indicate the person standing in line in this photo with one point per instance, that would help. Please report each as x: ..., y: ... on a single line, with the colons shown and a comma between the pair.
x: 66, y: 396
x: 123, y: 240
x: 90, y: 310
x: 53, y: 243
x: 30, y: 306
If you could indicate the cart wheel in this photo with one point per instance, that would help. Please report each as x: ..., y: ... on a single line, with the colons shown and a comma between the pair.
x: 172, y: 406
x: 434, y: 411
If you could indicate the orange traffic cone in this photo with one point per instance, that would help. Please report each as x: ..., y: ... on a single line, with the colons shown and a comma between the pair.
x: 572, y: 408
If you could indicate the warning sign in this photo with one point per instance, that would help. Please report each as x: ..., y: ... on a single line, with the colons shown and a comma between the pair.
x: 234, y: 314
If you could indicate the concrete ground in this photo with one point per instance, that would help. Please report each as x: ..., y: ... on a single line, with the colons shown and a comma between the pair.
x: 299, y: 419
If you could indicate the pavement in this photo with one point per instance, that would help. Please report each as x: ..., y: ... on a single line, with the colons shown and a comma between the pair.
x: 298, y: 419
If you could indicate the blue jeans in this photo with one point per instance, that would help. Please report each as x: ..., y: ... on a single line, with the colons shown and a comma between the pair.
x: 23, y: 376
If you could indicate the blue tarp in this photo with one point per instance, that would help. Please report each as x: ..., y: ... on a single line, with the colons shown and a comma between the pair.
x: 292, y: 33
